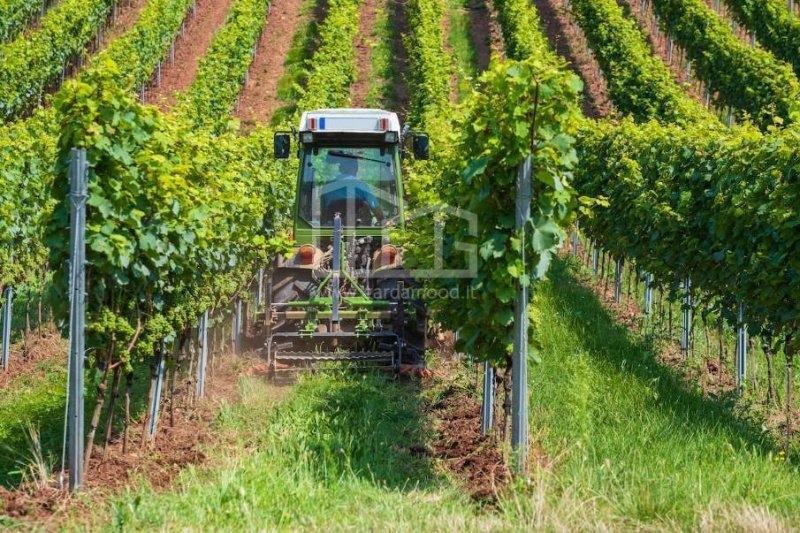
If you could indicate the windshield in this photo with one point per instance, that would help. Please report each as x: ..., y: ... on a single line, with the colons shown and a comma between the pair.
x: 360, y: 183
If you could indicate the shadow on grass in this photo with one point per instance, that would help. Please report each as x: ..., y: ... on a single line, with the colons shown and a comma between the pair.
x: 361, y: 424
x: 606, y: 339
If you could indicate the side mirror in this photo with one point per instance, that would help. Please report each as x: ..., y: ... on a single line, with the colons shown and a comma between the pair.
x: 283, y: 145
x: 421, y: 146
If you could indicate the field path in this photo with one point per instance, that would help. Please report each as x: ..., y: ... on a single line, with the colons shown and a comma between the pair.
x: 259, y: 96
x: 178, y: 75
x: 365, y: 41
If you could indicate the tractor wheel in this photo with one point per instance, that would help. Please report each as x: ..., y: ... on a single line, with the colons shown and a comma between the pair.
x: 414, y: 328
x: 287, y: 286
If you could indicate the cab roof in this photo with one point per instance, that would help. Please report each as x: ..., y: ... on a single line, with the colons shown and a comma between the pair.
x: 350, y: 120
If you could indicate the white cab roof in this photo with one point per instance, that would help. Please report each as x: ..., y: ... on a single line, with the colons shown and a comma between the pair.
x: 350, y: 120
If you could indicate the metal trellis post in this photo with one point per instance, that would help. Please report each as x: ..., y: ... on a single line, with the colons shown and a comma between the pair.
x: 648, y: 293
x: 78, y: 177
x: 156, y: 402
x: 595, y: 259
x: 618, y: 280
x: 519, y: 383
x: 687, y: 316
x: 202, y: 334
x: 487, y: 408
x: 741, y: 348
x: 7, y: 317
x: 238, y: 326
x: 260, y: 294
x: 575, y: 240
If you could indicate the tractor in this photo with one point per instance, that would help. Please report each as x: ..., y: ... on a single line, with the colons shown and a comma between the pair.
x: 341, y: 298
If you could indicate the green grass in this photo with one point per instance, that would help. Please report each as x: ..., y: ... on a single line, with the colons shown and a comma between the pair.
x: 294, y: 67
x: 460, y: 43
x: 335, y: 455
x: 628, y: 436
x: 31, y: 401
x: 753, y: 402
x: 626, y: 445
x: 384, y: 69
x: 37, y: 402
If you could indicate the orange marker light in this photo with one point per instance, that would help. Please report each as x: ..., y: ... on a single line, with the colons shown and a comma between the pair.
x: 306, y: 254
x: 388, y: 254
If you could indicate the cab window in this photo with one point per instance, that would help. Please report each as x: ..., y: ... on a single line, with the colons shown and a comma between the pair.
x: 359, y: 183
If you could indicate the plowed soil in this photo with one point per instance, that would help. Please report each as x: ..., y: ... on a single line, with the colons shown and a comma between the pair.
x: 259, y: 97
x: 475, y: 459
x: 190, y: 47
x: 566, y: 38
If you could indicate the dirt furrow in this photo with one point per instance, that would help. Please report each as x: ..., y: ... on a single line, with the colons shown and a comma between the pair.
x: 567, y: 39
x: 485, y: 34
x: 190, y: 46
x: 365, y: 42
x: 259, y: 96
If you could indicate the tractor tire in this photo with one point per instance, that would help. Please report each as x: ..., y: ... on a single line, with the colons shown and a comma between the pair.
x: 287, y: 285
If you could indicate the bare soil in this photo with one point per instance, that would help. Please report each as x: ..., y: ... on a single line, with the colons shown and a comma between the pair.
x: 567, y: 39
x: 25, y: 357
x: 259, y: 96
x: 365, y: 42
x: 190, y: 47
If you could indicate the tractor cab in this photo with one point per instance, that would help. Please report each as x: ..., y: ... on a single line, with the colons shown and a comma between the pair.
x: 342, y: 295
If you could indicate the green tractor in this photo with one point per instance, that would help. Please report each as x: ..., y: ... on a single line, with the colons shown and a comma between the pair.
x: 342, y: 297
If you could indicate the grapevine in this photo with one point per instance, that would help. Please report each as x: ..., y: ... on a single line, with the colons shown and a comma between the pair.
x: 28, y: 66
x: 750, y: 80
x: 776, y: 28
